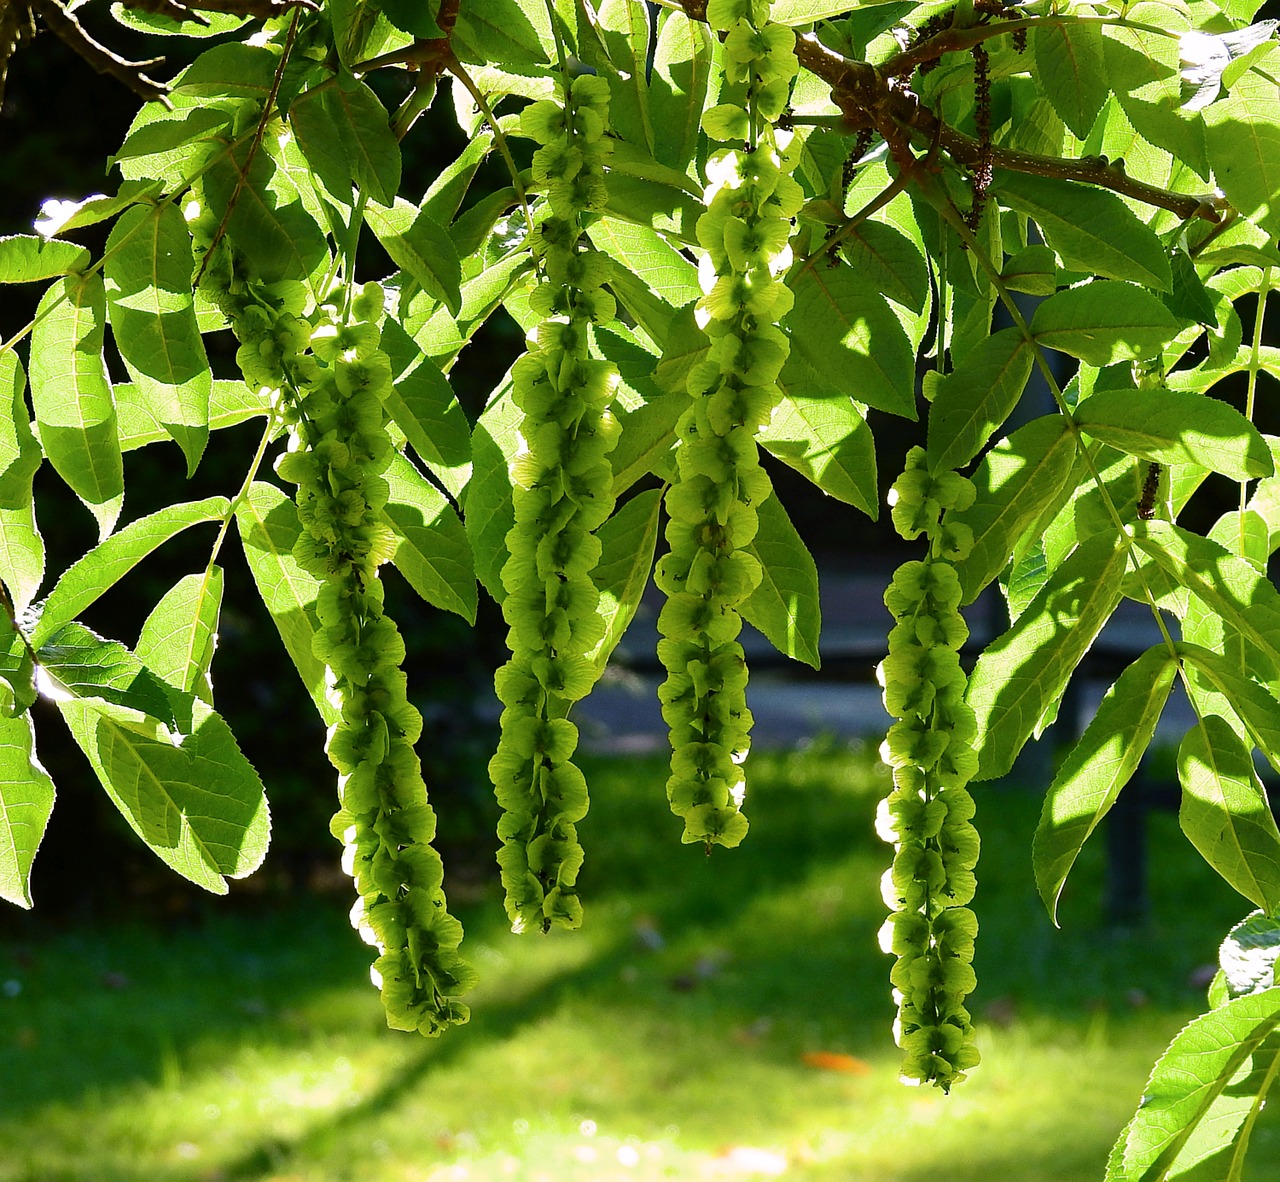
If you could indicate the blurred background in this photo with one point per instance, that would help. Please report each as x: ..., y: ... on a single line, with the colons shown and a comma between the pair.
x: 714, y: 1018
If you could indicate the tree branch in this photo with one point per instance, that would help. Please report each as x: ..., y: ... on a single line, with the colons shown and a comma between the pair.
x: 869, y: 97
x: 102, y: 59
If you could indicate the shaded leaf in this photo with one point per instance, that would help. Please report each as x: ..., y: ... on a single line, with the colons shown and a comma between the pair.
x: 852, y: 339
x: 1104, y: 322
x: 26, y: 258
x: 828, y: 441
x: 421, y: 247
x: 432, y: 551
x: 1017, y: 482
x: 976, y: 397
x: 628, y: 540
x: 1091, y: 229
x: 1023, y: 672
x: 268, y: 525
x: 83, y: 664
x: 487, y: 509
x: 1072, y: 71
x: 198, y: 804
x: 70, y: 393
x: 785, y: 605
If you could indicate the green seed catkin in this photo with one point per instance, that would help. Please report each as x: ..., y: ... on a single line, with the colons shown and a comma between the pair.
x: 928, y: 815
x: 562, y: 493
x: 712, y: 504
x: 329, y: 378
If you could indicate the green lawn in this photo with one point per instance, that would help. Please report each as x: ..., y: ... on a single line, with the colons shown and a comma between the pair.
x: 667, y: 1039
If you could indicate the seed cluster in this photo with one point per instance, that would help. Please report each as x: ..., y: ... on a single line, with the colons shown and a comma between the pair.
x: 562, y: 486
x: 330, y: 377
x: 711, y: 506
x: 928, y: 814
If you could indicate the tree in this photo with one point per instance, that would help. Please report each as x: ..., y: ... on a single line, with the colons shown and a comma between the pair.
x: 726, y: 228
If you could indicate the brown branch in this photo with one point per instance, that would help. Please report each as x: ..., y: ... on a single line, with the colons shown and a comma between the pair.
x: 102, y: 59
x: 1090, y: 170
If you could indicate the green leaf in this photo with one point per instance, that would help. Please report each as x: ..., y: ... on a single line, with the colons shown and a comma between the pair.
x: 433, y: 552
x: 1072, y: 70
x: 1245, y: 600
x: 678, y: 86
x: 1225, y: 813
x: 70, y: 393
x: 975, y: 398
x: 178, y: 638
x: 496, y: 31
x: 78, y: 663
x: 21, y: 555
x: 665, y: 204
x: 1187, y: 1081
x: 18, y: 690
x: 487, y: 509
x: 1244, y: 149
x: 230, y: 402
x: 1023, y: 673
x: 827, y: 440
x: 1018, y: 481
x: 413, y: 16
x: 364, y: 133
x: 214, y: 24
x: 26, y: 802
x: 20, y: 454
x: 423, y: 405
x: 321, y: 143
x: 26, y: 258
x: 231, y: 69
x: 268, y: 221
x: 803, y: 12
x: 98, y: 571
x: 1101, y: 763
x: 889, y: 262
x: 268, y: 525
x: 1091, y: 229
x: 1254, y: 704
x: 198, y: 804
x: 169, y: 146
x: 646, y: 411
x: 57, y: 217
x: 629, y: 539
x: 421, y: 247
x: 153, y: 320
x: 1033, y: 270
x: 624, y: 29
x: 1189, y: 299
x: 1176, y: 427
x: 648, y: 255
x: 852, y: 339
x: 1104, y: 322
x: 785, y: 604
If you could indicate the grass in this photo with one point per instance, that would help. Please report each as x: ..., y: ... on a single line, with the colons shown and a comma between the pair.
x: 673, y: 1037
